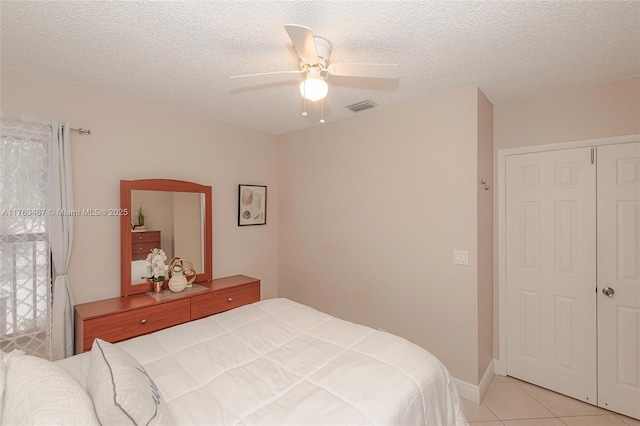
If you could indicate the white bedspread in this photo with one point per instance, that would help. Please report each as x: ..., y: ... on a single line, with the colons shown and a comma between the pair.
x: 277, y: 362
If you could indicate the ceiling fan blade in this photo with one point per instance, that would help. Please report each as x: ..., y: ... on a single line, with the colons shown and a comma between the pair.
x: 302, y: 39
x: 364, y: 70
x: 268, y: 73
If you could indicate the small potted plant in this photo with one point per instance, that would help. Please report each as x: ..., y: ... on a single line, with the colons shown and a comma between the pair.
x: 140, y: 215
x: 157, y: 268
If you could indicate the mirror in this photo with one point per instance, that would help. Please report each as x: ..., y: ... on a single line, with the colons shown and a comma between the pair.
x: 177, y: 219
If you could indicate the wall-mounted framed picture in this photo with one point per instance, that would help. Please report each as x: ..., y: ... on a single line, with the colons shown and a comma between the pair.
x: 252, y: 205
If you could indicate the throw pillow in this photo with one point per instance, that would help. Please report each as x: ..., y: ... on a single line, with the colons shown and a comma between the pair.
x: 122, y: 391
x: 39, y: 392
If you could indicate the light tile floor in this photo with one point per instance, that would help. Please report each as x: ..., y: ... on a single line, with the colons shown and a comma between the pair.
x: 511, y: 402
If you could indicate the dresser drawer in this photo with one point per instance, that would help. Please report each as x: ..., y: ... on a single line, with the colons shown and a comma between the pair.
x: 140, y: 251
x: 125, y: 325
x: 145, y: 237
x: 223, y: 300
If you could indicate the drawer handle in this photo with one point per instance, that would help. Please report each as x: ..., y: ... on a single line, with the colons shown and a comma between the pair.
x: 230, y: 299
x: 144, y: 321
x: 140, y: 237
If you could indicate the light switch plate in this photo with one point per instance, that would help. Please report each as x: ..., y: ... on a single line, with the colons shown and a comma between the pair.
x: 461, y: 257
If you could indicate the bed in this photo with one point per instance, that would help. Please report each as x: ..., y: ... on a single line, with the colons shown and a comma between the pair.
x: 278, y: 362
x: 139, y: 271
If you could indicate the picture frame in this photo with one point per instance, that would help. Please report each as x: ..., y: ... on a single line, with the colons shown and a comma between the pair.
x: 252, y: 205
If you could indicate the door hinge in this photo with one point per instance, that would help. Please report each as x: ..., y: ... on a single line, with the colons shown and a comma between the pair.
x: 593, y: 155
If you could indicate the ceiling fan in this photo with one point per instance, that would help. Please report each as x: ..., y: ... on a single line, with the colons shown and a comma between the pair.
x: 313, y: 60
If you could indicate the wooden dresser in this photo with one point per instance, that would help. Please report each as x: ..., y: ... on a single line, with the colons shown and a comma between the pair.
x: 142, y: 242
x: 122, y: 318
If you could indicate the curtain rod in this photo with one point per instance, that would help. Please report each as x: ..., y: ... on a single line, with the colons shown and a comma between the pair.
x: 79, y: 130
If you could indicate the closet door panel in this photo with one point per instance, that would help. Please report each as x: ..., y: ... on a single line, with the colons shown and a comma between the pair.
x: 551, y: 270
x: 619, y: 278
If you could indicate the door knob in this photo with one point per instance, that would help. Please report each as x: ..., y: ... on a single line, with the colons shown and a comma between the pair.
x: 608, y: 291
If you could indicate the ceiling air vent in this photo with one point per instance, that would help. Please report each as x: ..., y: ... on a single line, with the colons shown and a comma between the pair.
x: 360, y: 106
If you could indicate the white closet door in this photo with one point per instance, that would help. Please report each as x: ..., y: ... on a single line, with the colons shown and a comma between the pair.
x: 619, y: 278
x: 551, y: 270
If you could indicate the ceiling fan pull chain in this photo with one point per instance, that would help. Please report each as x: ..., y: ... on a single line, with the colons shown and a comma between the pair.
x: 322, y: 110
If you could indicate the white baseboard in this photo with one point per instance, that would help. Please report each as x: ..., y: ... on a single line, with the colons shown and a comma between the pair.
x: 475, y: 393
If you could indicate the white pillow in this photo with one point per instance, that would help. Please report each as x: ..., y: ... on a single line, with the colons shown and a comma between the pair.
x: 122, y: 391
x: 39, y: 392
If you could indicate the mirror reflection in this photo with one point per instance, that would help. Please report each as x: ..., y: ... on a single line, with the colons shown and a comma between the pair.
x: 176, y: 217
x: 172, y: 221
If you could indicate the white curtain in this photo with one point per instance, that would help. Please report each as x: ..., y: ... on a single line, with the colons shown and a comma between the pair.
x: 25, y: 268
x: 60, y: 239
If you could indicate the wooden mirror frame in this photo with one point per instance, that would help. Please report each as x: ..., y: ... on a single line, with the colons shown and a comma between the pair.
x: 126, y: 186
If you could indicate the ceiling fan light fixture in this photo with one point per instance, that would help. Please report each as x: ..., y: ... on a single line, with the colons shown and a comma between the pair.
x: 314, y: 87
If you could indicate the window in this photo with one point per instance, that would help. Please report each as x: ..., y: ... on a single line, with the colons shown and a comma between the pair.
x: 25, y: 257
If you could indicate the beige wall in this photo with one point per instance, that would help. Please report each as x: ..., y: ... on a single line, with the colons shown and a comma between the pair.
x: 135, y: 139
x: 371, y: 209
x: 485, y: 233
x: 611, y: 109
x: 188, y: 229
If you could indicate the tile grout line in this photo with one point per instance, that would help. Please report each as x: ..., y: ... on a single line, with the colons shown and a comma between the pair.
x: 518, y: 382
x: 490, y: 410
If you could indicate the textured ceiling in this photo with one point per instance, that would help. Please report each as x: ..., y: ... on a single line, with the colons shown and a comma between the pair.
x: 180, y: 54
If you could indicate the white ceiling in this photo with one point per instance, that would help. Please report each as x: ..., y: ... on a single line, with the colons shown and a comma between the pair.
x: 180, y: 54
